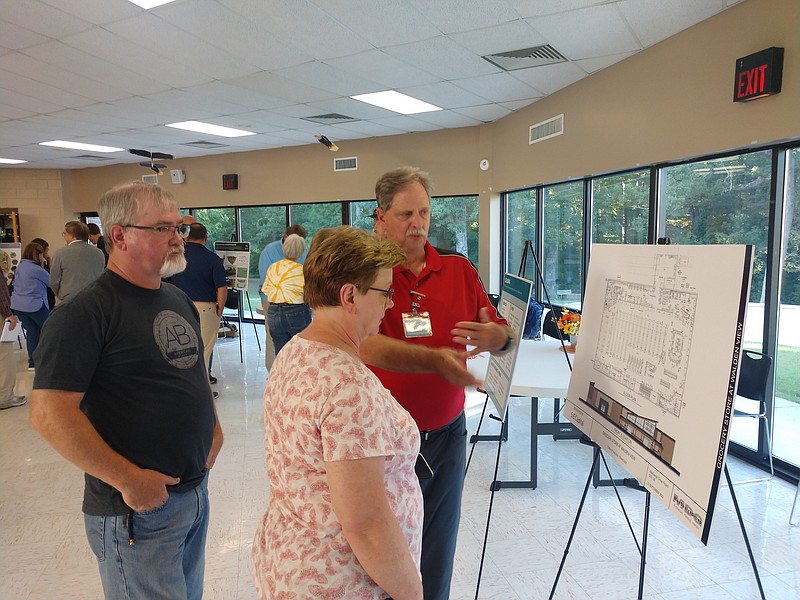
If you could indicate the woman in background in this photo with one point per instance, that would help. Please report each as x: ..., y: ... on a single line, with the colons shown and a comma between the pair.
x: 345, y: 511
x: 29, y: 298
x: 51, y: 297
x: 287, y: 314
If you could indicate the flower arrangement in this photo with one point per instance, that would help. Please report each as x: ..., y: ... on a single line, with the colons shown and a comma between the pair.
x: 569, y: 322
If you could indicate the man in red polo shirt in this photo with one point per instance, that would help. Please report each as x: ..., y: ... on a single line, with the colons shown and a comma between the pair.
x: 439, y: 307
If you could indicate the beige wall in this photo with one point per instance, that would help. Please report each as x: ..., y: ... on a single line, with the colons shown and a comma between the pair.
x: 43, y: 197
x: 671, y: 101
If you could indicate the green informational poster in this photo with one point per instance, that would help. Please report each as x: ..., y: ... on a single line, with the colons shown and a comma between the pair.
x: 655, y: 372
x: 513, y: 307
x: 236, y: 258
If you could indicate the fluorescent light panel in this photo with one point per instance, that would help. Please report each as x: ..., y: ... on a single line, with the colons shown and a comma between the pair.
x: 396, y: 102
x: 148, y: 4
x: 80, y: 146
x: 201, y: 127
x: 11, y: 161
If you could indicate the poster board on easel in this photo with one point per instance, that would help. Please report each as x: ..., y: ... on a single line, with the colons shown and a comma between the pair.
x: 513, y: 307
x: 655, y: 372
x: 236, y: 259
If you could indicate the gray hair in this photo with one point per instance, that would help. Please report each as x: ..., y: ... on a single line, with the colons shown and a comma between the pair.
x: 390, y: 183
x: 293, y: 247
x: 122, y: 204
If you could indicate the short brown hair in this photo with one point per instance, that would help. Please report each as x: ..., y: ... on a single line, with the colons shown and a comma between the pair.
x: 341, y: 255
x: 390, y: 183
x: 77, y: 230
x: 34, y: 252
x: 297, y: 230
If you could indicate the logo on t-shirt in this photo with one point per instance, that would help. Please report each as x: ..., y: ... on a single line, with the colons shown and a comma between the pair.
x: 176, y: 339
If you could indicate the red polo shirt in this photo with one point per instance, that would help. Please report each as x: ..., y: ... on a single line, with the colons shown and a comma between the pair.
x: 453, y: 292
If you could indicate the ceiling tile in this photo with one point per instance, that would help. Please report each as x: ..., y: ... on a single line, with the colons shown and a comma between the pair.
x: 514, y: 35
x: 599, y: 30
x: 242, y: 37
x: 41, y: 18
x: 326, y: 77
x: 381, y: 22
x: 465, y: 15
x: 498, y: 87
x: 550, y: 78
x: 16, y: 37
x: 653, y: 20
x: 181, y: 48
x: 382, y: 68
x: 485, y: 113
x: 281, y: 87
x: 442, y: 57
x: 444, y: 95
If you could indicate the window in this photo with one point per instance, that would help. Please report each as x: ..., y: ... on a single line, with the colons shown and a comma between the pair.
x: 726, y: 201
x: 786, y: 434
x: 520, y: 227
x: 260, y: 225
x: 454, y: 225
x: 620, y: 208
x: 562, y: 266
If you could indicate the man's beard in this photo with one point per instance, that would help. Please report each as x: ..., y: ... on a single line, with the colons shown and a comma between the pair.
x: 174, y: 263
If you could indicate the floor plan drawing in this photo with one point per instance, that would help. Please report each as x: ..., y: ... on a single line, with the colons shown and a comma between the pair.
x: 646, y: 334
x: 655, y: 373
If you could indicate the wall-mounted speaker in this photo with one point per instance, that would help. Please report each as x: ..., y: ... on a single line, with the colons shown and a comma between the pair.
x: 177, y: 175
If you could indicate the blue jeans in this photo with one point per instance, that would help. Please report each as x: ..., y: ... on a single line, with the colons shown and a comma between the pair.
x: 445, y: 450
x: 285, y: 321
x: 32, y: 323
x: 168, y: 558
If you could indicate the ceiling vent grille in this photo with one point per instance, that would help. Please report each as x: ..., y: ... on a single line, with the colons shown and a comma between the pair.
x: 92, y: 157
x: 329, y: 119
x: 537, y: 56
x: 204, y: 144
x: 546, y: 129
x: 150, y: 179
x: 345, y: 164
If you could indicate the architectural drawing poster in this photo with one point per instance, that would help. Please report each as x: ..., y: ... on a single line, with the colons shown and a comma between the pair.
x: 513, y: 307
x: 656, y: 368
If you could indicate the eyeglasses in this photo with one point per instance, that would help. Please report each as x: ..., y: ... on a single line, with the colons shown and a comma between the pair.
x: 182, y: 229
x: 389, y: 294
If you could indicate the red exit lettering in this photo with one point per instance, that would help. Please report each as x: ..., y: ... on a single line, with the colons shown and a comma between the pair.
x: 751, y: 82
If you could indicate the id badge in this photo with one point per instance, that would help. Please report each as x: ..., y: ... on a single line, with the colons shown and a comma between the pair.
x: 417, y: 325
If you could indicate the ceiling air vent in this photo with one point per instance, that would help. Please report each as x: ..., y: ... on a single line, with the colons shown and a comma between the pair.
x: 345, y: 164
x: 205, y: 145
x: 526, y: 58
x: 546, y: 129
x: 92, y: 157
x: 329, y: 119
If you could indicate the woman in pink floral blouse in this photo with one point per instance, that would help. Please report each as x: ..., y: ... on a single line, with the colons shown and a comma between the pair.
x: 345, y: 511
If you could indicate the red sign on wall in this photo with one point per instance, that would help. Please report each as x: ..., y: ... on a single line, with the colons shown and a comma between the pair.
x: 758, y: 75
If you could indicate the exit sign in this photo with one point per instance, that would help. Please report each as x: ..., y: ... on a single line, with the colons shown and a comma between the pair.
x: 758, y: 75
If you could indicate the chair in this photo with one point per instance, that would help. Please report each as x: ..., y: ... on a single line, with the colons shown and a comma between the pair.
x: 794, y: 504
x: 751, y: 393
x: 549, y: 322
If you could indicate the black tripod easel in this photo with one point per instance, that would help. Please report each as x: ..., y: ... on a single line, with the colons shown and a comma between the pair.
x: 528, y: 248
x: 634, y: 484
x: 239, y: 314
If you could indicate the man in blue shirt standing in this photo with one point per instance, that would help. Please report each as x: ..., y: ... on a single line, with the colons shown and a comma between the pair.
x: 272, y: 253
x: 205, y: 283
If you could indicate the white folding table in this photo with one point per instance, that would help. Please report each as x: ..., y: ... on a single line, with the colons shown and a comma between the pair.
x: 541, y: 372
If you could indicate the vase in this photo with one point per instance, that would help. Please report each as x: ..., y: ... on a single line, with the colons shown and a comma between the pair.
x: 573, y: 341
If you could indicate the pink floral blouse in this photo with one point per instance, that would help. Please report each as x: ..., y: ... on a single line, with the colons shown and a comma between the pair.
x: 321, y: 404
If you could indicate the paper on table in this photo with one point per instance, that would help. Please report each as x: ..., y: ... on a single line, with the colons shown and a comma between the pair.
x: 10, y: 335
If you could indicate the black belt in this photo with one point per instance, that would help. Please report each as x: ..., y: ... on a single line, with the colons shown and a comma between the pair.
x: 428, y: 434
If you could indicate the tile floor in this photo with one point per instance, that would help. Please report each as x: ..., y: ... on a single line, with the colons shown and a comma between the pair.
x: 44, y: 555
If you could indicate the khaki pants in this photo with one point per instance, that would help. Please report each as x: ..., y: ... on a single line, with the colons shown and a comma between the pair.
x: 269, y: 346
x: 209, y: 327
x: 8, y: 369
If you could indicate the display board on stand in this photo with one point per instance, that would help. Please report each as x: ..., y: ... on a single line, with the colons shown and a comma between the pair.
x: 513, y: 307
x: 236, y: 258
x: 655, y: 372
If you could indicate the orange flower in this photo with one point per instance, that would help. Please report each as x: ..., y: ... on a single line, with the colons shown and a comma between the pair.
x: 569, y: 322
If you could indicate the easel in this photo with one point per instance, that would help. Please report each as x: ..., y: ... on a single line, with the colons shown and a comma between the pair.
x: 239, y: 313
x: 632, y: 483
x: 528, y: 247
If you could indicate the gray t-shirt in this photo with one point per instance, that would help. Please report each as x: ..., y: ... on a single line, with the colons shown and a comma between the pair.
x: 137, y: 356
